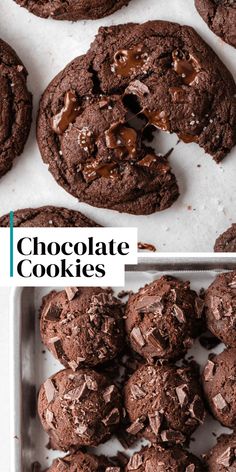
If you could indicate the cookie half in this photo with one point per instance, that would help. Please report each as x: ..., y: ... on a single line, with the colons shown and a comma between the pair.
x: 47, y: 216
x: 220, y: 15
x: 15, y: 107
x: 72, y: 9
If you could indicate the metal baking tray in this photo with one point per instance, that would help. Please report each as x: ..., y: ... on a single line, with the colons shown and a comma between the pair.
x: 31, y: 364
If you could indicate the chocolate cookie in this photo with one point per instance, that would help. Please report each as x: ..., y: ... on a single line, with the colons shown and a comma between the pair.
x: 158, y: 459
x: 219, y: 383
x: 222, y: 457
x: 82, y: 462
x: 15, y: 107
x: 220, y: 15
x: 220, y: 301
x: 79, y: 408
x: 82, y: 326
x: 163, y: 403
x: 72, y: 9
x: 47, y: 216
x: 88, y: 131
x: 163, y: 318
x: 226, y: 242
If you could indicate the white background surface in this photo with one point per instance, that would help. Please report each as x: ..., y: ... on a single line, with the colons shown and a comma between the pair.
x: 45, y: 47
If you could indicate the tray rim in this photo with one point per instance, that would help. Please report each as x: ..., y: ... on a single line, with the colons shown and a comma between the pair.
x: 164, y: 263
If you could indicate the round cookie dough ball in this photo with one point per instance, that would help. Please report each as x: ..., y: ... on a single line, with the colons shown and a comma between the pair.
x: 222, y: 457
x: 79, y: 408
x: 82, y: 326
x: 220, y: 301
x: 219, y: 383
x: 82, y: 462
x: 163, y: 318
x: 158, y: 459
x: 163, y: 403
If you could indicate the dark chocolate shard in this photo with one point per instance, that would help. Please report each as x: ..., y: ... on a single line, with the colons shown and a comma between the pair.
x: 107, y: 395
x: 112, y: 418
x: 49, y: 390
x: 138, y: 337
x: 179, y: 314
x: 71, y: 292
x: 196, y: 409
x: 209, y: 371
x: 52, y: 312
x: 220, y: 402
x: 172, y: 436
x: 227, y: 457
x: 155, y: 421
x: 137, y: 392
x: 182, y: 394
x: 135, y: 427
x: 135, y: 461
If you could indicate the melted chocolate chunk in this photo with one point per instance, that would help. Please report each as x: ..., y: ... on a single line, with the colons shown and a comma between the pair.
x: 122, y: 140
x: 186, y: 65
x: 127, y: 61
x: 159, y: 119
x: 67, y: 115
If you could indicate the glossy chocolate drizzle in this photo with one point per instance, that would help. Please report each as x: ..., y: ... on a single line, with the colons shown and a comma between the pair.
x: 67, y: 115
x: 187, y: 67
x: 129, y: 60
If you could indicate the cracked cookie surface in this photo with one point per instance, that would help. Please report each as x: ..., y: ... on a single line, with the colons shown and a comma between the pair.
x: 47, y: 216
x: 72, y: 9
x: 15, y: 107
x: 220, y: 16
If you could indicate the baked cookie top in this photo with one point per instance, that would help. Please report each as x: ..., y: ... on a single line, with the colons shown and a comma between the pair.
x: 72, y: 9
x: 47, y: 216
x: 15, y: 107
x: 220, y: 15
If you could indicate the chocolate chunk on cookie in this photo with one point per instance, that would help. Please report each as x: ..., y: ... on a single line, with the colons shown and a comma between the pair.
x: 163, y: 403
x: 85, y: 323
x: 47, y: 216
x: 220, y: 303
x: 226, y: 242
x: 222, y: 457
x: 220, y: 15
x: 163, y: 318
x: 93, y: 149
x: 219, y: 383
x: 75, y: 410
x: 72, y: 9
x: 159, y: 459
x: 15, y: 107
